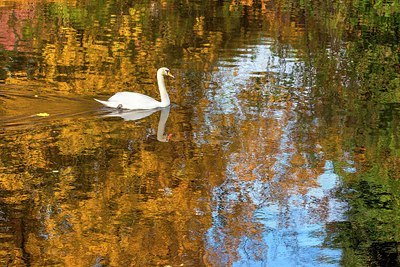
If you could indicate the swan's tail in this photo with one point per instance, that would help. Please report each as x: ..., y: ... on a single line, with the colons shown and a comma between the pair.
x: 105, y: 103
x: 109, y: 104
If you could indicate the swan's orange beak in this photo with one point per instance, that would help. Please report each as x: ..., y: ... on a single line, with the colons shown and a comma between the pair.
x: 170, y: 75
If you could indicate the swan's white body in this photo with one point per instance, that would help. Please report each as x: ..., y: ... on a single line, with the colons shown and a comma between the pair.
x: 128, y: 100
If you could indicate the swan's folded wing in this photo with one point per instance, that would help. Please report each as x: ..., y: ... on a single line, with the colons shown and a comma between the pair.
x: 129, y: 100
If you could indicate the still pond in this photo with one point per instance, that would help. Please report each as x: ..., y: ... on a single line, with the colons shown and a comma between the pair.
x: 281, y: 146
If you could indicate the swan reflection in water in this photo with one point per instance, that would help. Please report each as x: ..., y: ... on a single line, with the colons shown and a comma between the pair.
x: 133, y: 115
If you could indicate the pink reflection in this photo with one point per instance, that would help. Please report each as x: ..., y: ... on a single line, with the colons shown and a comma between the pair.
x: 13, y: 19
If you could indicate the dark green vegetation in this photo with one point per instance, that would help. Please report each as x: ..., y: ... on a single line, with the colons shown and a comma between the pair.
x: 362, y: 59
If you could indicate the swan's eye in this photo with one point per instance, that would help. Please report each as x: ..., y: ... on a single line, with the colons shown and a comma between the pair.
x: 166, y: 72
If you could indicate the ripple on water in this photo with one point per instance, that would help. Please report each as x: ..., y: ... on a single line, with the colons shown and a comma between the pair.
x: 29, y: 107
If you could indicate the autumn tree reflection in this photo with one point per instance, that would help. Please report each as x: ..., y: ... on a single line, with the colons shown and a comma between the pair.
x: 266, y: 105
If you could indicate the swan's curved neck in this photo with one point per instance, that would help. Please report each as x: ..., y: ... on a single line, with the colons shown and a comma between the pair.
x: 163, y: 91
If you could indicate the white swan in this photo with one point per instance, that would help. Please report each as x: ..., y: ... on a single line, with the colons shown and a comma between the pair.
x: 128, y: 100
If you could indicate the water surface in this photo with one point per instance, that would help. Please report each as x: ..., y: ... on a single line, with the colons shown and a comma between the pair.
x: 278, y: 150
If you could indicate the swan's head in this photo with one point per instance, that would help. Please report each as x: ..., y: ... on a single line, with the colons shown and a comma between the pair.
x: 165, y: 72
